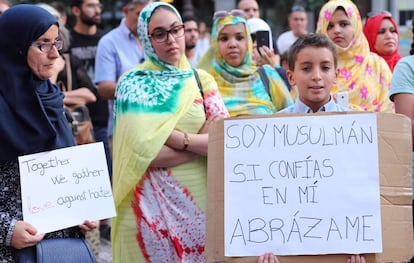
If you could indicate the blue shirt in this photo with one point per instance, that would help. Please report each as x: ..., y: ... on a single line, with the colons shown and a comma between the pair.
x: 117, y: 52
x: 301, y: 107
x: 403, y: 82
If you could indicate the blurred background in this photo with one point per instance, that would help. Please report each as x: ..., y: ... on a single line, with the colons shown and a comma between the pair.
x: 273, y: 11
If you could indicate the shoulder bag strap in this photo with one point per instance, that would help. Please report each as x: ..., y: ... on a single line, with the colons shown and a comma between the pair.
x: 265, y: 80
x: 200, y: 87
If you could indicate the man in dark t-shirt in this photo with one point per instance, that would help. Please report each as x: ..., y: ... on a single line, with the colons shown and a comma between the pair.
x: 84, y: 47
x: 84, y: 41
x: 85, y: 36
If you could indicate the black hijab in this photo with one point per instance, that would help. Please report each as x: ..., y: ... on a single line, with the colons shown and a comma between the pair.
x: 31, y: 110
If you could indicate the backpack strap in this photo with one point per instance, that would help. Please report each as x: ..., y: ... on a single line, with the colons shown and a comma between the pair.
x: 265, y: 80
x: 200, y: 87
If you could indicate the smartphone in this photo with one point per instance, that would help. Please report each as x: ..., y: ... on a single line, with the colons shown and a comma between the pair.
x: 342, y: 98
x: 263, y: 39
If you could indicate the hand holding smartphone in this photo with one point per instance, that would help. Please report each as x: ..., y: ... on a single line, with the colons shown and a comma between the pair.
x: 263, y: 39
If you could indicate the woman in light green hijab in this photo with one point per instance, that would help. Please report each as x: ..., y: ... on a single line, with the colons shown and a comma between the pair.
x: 160, y: 147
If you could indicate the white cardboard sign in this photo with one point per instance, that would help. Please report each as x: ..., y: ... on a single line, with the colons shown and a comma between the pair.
x: 65, y: 187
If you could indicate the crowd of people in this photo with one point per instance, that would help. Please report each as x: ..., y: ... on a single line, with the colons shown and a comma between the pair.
x: 153, y: 86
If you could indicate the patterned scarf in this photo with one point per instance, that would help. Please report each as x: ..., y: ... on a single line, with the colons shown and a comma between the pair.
x: 363, y: 74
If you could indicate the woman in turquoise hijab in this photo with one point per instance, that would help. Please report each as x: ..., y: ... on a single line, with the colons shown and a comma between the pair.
x: 229, y: 61
x: 160, y: 147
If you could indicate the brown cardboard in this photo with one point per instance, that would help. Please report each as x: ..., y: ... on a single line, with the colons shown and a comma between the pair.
x: 394, y: 132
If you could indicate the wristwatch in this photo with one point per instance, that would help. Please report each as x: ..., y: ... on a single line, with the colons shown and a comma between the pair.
x: 186, y: 141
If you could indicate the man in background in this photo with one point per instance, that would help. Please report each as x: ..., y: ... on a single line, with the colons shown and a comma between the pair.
x: 191, y: 38
x: 297, y: 21
x: 252, y: 10
x: 84, y: 41
x: 118, y: 51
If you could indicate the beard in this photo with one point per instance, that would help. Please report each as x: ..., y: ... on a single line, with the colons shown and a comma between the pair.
x: 91, y: 21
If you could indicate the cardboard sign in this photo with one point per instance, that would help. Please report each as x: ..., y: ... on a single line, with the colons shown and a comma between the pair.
x: 65, y: 187
x: 394, y: 159
x: 301, y: 189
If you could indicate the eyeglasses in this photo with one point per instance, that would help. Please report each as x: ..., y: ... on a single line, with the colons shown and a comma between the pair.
x: 47, y: 46
x: 161, y: 35
x: 224, y: 13
x: 375, y: 13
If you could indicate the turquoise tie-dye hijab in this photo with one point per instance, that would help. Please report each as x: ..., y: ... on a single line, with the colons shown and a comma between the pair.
x: 143, y: 34
x: 154, y: 86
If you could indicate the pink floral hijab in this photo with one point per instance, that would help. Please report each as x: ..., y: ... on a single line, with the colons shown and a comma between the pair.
x: 362, y: 74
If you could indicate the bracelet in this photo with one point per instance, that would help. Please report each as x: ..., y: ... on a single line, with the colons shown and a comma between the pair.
x: 186, y: 141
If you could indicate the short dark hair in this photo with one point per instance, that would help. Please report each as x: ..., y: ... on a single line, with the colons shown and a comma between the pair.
x: 189, y: 17
x: 77, y: 3
x: 131, y: 3
x: 238, y: 1
x: 310, y: 40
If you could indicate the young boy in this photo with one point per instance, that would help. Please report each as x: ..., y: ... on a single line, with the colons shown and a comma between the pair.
x: 312, y: 69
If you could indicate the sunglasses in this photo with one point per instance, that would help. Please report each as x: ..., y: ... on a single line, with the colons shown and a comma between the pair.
x: 224, y: 13
x: 375, y: 13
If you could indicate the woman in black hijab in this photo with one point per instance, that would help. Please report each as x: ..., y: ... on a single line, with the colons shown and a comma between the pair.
x: 31, y: 115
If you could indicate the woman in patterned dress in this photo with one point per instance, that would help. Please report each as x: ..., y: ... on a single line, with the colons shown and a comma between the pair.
x: 32, y: 116
x: 381, y: 31
x: 363, y: 76
x: 160, y: 147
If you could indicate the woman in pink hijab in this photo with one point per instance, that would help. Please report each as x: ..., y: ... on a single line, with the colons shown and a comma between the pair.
x: 383, y: 37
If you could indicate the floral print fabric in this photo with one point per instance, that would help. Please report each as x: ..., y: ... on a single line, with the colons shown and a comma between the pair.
x: 362, y: 74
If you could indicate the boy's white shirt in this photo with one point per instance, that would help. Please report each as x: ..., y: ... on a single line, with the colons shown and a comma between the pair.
x: 300, y: 107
